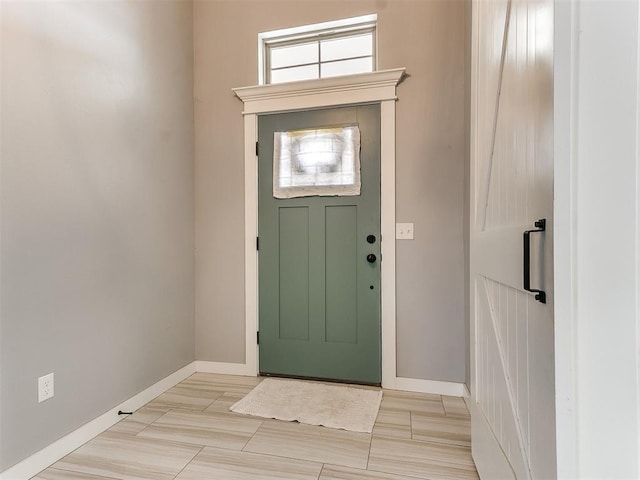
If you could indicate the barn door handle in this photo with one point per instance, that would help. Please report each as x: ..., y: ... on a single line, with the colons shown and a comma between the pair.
x: 541, y: 295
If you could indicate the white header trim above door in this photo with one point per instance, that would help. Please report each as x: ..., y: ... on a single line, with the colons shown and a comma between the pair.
x: 372, y: 87
x: 377, y: 87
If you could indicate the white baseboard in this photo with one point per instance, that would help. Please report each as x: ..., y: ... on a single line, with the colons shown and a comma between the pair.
x: 49, y: 455
x: 434, y: 387
x: 224, y: 368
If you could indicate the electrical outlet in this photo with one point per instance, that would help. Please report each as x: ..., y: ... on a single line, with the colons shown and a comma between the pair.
x: 404, y: 231
x: 45, y: 387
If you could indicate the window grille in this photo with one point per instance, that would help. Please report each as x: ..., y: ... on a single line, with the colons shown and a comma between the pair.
x: 322, y: 50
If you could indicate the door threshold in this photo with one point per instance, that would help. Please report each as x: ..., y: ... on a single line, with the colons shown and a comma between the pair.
x: 318, y: 379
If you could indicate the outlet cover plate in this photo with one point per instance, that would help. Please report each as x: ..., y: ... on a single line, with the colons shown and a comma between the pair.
x: 404, y: 231
x: 45, y: 387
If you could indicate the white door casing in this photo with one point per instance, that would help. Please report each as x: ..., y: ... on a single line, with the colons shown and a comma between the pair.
x: 512, y: 369
x: 376, y: 87
x: 597, y: 237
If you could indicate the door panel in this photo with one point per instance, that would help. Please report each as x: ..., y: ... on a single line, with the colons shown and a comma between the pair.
x: 341, y: 268
x: 512, y: 403
x: 498, y: 363
x: 319, y: 297
x: 293, y: 254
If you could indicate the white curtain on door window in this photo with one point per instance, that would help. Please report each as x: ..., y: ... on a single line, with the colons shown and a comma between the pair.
x: 323, y: 162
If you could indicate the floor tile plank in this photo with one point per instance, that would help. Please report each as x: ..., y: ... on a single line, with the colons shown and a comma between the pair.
x: 421, y: 459
x: 214, y: 429
x: 224, y: 383
x: 412, y: 402
x: 55, y: 474
x: 141, y: 419
x: 214, y: 463
x: 127, y: 457
x: 223, y: 403
x: 312, y: 443
x: 186, y: 396
x: 334, y: 472
x: 392, y: 423
x: 455, y: 407
x: 201, y: 389
x: 451, y: 430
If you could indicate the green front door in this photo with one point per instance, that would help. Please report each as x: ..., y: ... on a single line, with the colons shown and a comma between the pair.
x: 319, y: 261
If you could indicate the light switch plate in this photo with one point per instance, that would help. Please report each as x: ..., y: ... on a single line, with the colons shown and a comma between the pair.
x: 404, y: 231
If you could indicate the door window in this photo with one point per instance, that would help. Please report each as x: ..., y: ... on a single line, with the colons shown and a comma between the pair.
x: 323, y: 162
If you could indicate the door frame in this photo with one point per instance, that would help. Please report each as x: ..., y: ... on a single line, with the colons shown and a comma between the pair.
x: 596, y: 331
x: 367, y: 88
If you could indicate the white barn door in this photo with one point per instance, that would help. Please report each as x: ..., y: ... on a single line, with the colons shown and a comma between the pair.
x: 512, y: 361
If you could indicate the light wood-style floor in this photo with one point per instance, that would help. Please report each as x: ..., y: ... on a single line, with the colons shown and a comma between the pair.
x: 188, y: 433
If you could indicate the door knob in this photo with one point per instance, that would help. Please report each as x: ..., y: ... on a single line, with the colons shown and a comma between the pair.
x: 371, y: 258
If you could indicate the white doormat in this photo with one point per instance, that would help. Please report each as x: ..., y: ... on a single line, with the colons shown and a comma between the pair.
x: 314, y: 403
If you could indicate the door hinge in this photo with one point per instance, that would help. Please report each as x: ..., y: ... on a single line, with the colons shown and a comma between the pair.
x: 257, y: 243
x: 258, y: 338
x: 257, y: 149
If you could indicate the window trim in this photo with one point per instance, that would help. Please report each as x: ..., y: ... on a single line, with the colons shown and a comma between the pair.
x: 318, y: 31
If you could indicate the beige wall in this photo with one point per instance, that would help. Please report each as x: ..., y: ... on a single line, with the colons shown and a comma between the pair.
x: 427, y: 37
x: 97, y: 220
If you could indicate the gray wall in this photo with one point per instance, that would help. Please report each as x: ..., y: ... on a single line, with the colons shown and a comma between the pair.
x: 427, y: 37
x: 96, y: 191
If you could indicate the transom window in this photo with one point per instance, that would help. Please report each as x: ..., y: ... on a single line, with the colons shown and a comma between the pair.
x: 330, y: 49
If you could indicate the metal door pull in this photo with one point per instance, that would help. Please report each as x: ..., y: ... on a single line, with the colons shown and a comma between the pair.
x: 541, y: 295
